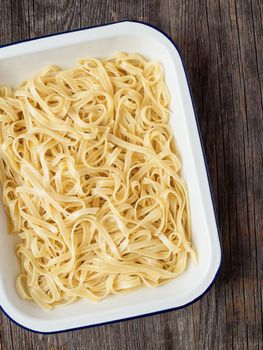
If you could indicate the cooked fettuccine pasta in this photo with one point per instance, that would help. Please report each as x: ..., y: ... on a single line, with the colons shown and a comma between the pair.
x: 91, y: 182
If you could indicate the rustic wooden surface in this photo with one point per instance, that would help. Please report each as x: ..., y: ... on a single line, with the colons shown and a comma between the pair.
x: 221, y: 42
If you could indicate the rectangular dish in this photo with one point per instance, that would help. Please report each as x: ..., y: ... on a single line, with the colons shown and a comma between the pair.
x: 22, y: 60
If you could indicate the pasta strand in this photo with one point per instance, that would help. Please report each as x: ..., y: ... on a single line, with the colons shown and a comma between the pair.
x: 91, y: 183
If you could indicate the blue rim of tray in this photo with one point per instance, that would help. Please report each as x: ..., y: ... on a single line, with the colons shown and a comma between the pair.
x: 207, y: 173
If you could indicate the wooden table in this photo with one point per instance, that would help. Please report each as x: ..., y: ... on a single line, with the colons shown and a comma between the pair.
x: 221, y: 42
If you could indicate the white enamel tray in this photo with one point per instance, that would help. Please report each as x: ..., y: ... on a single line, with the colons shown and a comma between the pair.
x: 22, y: 60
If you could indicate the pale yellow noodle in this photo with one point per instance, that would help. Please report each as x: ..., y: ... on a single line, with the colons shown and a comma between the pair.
x: 91, y: 180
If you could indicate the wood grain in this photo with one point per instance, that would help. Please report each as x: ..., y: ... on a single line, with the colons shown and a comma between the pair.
x: 221, y: 42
